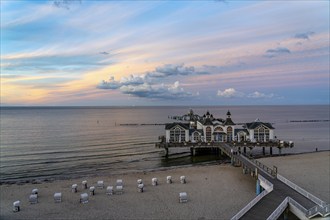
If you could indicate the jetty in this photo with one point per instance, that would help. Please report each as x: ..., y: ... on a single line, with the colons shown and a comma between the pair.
x: 276, y: 195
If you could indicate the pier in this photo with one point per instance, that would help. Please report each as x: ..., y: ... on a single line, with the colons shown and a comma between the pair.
x: 275, y: 194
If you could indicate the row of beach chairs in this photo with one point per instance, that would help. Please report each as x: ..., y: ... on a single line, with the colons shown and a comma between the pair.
x: 110, y: 190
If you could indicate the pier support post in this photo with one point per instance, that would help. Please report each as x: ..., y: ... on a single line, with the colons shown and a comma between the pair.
x: 166, y: 152
x: 258, y: 187
x: 279, y: 150
x: 244, y: 150
x: 271, y: 151
x: 263, y: 151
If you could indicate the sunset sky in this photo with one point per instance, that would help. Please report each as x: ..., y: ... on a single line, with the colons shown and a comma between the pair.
x: 110, y: 53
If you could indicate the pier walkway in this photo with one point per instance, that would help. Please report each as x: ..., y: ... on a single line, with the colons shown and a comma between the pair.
x: 275, y: 194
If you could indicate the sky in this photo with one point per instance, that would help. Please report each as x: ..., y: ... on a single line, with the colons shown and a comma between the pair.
x: 149, y: 53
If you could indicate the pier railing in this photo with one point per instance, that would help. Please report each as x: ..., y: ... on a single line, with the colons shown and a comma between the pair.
x: 255, y: 200
x: 302, y: 191
x: 279, y: 210
x: 263, y: 167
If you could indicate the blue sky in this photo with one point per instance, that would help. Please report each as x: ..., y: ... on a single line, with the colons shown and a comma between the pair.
x: 79, y: 52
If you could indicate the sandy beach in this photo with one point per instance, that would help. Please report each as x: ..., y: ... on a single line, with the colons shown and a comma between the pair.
x: 214, y: 192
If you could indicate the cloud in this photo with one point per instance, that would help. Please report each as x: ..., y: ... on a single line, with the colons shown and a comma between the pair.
x: 305, y: 35
x: 64, y: 3
x: 111, y: 84
x: 162, y: 91
x: 232, y: 93
x: 277, y: 51
x: 258, y: 95
x: 174, y: 70
x: 104, y: 53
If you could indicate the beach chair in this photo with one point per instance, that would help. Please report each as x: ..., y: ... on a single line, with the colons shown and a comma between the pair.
x: 169, y: 179
x: 74, y: 188
x: 183, y: 197
x: 35, y: 191
x: 183, y: 179
x: 154, y: 181
x: 33, y: 199
x: 109, y: 190
x: 139, y: 181
x: 119, y: 190
x: 92, y: 190
x: 16, y: 206
x: 84, y: 198
x: 100, y: 184
x: 84, y: 184
x: 140, y: 187
x: 58, y: 197
x: 119, y: 182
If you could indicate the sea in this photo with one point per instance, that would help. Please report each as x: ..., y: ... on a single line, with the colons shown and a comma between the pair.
x: 48, y: 143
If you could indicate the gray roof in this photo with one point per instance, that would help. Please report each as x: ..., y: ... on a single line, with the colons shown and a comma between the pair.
x: 228, y: 122
x: 237, y: 130
x: 168, y: 126
x: 256, y: 124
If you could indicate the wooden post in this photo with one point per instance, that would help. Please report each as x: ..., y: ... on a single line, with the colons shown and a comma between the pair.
x: 244, y: 150
x: 166, y: 152
x: 271, y: 150
x: 263, y: 151
x: 192, y: 151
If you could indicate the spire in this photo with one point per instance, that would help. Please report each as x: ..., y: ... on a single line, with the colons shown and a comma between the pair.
x: 228, y: 114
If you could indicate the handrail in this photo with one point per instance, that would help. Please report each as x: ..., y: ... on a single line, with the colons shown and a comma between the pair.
x: 297, y: 205
x: 279, y: 210
x: 269, y: 184
x: 302, y: 191
x: 249, y: 205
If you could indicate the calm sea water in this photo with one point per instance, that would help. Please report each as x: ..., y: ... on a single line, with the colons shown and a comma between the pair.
x: 62, y: 142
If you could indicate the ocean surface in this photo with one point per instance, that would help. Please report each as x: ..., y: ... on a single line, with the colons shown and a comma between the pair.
x: 65, y: 142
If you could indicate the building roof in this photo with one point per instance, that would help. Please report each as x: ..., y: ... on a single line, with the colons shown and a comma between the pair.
x: 228, y: 121
x: 207, y: 121
x: 237, y: 130
x: 168, y: 126
x: 256, y: 124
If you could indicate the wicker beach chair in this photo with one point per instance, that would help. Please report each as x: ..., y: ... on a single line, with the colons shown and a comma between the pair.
x: 169, y: 179
x: 100, y: 184
x: 119, y: 190
x: 33, y: 198
x: 58, y: 197
x: 154, y: 181
x: 183, y: 197
x: 119, y: 182
x: 74, y: 188
x: 92, y: 190
x: 84, y: 198
x: 139, y: 181
x: 16, y: 206
x: 183, y: 179
x: 140, y: 187
x: 109, y: 190
x: 84, y: 184
x: 35, y: 191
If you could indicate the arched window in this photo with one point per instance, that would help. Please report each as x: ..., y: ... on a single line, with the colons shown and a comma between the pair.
x: 229, y: 134
x: 197, y: 136
x: 261, y: 134
x: 208, y: 134
x: 177, y: 134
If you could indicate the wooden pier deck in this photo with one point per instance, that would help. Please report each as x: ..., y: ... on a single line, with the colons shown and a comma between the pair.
x: 271, y: 202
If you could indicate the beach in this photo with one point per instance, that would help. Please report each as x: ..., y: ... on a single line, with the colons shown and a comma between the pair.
x: 214, y: 192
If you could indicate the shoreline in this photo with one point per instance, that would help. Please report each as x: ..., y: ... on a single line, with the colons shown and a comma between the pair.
x: 28, y: 180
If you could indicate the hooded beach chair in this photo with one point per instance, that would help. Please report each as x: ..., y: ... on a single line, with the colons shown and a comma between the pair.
x: 74, y: 188
x: 33, y: 198
x: 139, y: 181
x: 183, y: 197
x: 140, y: 187
x: 169, y: 179
x: 16, y: 206
x: 154, y: 181
x: 119, y: 182
x: 84, y: 184
x: 183, y: 179
x: 58, y: 197
x: 84, y: 198
x: 100, y: 184
x: 119, y: 190
x: 35, y: 191
x: 92, y: 190
x: 110, y: 190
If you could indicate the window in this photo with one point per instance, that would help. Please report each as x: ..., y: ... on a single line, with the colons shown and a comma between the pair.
x: 177, y: 134
x: 197, y: 136
x: 208, y: 134
x: 229, y: 134
x: 261, y: 134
